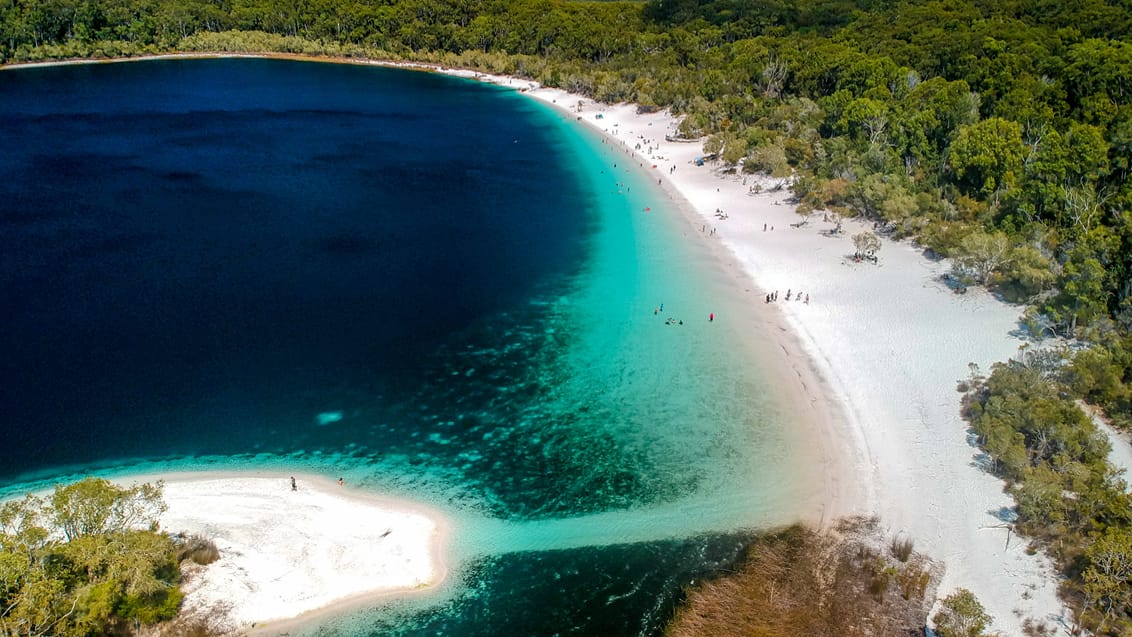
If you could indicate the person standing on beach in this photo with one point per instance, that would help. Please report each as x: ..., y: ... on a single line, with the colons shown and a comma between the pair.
x: 294, y: 487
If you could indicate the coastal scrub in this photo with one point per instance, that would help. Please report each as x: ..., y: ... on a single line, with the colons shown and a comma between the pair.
x: 86, y: 560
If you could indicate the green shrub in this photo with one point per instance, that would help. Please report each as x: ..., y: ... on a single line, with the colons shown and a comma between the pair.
x: 961, y: 616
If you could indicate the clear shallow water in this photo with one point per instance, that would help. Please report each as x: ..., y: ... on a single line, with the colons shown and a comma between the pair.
x: 432, y: 287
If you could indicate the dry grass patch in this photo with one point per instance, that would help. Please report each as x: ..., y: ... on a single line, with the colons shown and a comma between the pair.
x: 841, y: 583
x: 200, y: 550
x: 902, y: 548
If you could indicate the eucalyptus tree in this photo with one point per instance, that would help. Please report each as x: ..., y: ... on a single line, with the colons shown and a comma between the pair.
x: 86, y: 560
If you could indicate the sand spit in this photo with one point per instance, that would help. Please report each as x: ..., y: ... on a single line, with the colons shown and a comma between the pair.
x: 288, y: 557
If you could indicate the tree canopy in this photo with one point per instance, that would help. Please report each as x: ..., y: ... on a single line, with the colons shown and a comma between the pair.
x: 86, y: 561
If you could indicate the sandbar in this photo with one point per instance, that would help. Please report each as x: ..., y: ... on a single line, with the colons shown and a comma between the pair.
x: 288, y: 557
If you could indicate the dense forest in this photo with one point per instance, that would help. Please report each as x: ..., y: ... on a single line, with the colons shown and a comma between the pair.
x: 995, y: 133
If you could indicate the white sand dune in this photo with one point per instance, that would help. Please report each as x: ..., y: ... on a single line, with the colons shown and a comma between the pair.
x: 286, y: 554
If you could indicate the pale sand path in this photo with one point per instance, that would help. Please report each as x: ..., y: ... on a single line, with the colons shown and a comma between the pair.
x: 288, y: 557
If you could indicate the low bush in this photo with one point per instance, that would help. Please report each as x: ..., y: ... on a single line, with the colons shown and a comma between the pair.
x: 902, y: 548
x: 799, y: 581
x: 199, y: 549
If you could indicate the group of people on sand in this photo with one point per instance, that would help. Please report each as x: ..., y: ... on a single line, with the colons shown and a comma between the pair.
x: 773, y: 296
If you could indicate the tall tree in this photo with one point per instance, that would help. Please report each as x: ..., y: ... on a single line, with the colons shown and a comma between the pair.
x: 97, y: 506
x: 987, y: 156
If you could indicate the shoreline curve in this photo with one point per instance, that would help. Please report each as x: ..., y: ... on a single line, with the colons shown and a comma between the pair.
x: 870, y: 365
x: 290, y: 558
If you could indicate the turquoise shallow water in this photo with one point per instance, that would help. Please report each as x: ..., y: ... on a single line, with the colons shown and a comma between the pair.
x: 593, y: 457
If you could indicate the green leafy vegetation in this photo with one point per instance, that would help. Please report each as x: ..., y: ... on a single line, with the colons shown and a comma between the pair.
x: 1054, y: 459
x: 86, y: 561
x: 998, y: 134
x: 961, y: 615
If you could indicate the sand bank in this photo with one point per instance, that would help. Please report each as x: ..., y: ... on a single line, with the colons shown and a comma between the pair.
x: 289, y: 556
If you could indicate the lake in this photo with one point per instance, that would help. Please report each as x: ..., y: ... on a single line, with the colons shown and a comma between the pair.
x: 434, y: 287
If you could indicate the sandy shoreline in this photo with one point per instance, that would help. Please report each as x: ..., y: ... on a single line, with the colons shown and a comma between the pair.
x: 292, y: 557
x: 871, y: 364
x: 868, y: 367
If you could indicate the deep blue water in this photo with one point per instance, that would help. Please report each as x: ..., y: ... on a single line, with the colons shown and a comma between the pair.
x: 433, y: 287
x: 599, y: 591
x: 200, y: 257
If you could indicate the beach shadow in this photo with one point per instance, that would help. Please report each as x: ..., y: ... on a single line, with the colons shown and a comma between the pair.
x: 983, y: 462
x: 972, y: 438
x: 931, y: 255
x: 1005, y: 514
x: 953, y: 283
x: 1003, y: 298
x: 1045, y: 331
x: 1023, y: 333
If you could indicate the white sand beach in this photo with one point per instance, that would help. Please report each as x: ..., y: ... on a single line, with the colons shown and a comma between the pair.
x: 288, y: 556
x: 873, y: 361
x: 888, y: 342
